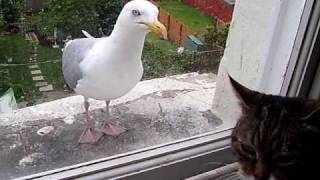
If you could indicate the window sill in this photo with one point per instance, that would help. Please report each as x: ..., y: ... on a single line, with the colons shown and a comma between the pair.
x: 180, y: 159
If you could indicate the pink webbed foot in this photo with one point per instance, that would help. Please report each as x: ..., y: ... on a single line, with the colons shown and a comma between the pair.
x: 112, y: 129
x: 90, y: 136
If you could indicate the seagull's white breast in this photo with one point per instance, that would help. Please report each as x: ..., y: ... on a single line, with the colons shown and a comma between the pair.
x: 109, y: 72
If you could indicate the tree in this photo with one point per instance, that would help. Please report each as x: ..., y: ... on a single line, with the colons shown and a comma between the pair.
x: 10, y: 11
x: 72, y: 16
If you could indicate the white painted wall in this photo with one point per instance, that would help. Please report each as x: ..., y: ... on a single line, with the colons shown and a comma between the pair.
x: 258, y: 50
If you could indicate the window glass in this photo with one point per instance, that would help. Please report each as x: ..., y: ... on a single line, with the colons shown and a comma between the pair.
x: 45, y: 69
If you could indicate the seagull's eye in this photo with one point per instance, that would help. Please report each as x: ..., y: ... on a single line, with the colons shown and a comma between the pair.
x: 136, y: 12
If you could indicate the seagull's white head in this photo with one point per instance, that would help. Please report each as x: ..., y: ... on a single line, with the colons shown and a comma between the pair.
x: 141, y: 15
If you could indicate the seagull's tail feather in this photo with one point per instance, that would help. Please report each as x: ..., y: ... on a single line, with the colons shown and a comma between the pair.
x: 85, y: 33
x: 66, y: 45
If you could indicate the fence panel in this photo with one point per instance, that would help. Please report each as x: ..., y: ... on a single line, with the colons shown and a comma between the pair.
x: 175, y: 30
x: 164, y: 17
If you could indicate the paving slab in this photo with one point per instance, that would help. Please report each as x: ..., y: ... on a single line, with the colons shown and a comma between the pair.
x: 46, y: 88
x: 41, y: 83
x: 34, y: 66
x: 36, y: 72
x: 37, y: 78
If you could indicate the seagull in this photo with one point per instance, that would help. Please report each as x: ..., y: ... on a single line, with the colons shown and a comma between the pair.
x: 109, y: 67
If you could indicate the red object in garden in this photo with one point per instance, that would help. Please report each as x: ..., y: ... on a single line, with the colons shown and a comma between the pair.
x: 190, y: 1
x: 12, y: 29
x: 219, y: 9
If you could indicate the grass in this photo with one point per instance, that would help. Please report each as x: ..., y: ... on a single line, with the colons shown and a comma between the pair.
x: 187, y: 14
x: 52, y: 66
x: 14, y: 49
x: 163, y: 45
x: 48, y: 53
x: 18, y: 51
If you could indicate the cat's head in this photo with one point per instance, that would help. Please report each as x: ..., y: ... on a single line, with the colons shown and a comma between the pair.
x: 275, y: 135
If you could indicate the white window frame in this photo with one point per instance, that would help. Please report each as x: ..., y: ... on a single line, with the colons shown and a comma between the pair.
x: 304, y: 58
x: 289, y: 26
x: 183, y: 158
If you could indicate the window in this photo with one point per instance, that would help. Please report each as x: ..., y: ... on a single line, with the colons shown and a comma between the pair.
x: 171, y: 105
x: 175, y: 129
x: 303, y: 75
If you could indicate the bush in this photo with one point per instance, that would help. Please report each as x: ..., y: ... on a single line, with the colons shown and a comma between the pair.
x: 72, y: 16
x: 108, y: 12
x: 2, y: 22
x: 158, y: 63
x: 11, y: 11
x: 216, y: 35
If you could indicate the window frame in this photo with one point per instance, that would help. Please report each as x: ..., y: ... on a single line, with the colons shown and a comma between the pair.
x: 304, y: 61
x: 177, y: 158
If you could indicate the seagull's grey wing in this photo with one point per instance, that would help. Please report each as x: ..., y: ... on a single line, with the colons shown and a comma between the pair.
x: 73, y: 54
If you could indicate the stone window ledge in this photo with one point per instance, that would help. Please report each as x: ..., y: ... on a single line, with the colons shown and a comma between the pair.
x: 155, y: 112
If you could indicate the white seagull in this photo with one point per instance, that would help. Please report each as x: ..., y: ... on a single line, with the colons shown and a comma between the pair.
x: 109, y: 67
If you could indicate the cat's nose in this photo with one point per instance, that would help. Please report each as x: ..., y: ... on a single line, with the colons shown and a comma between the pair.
x: 261, y: 172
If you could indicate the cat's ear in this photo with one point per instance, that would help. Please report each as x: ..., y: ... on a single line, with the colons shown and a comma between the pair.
x: 312, y: 118
x: 246, y: 96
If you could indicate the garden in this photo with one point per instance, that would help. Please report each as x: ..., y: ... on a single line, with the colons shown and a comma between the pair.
x: 36, y: 37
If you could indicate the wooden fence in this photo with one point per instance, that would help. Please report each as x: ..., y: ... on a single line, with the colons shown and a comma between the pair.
x: 177, y: 31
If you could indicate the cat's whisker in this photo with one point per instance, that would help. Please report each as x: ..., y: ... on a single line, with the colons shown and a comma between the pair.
x: 216, y: 163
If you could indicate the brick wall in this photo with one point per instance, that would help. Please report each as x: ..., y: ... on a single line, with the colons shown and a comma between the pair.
x: 215, y: 8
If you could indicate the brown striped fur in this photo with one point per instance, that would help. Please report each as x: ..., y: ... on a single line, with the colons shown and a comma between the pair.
x: 276, y: 136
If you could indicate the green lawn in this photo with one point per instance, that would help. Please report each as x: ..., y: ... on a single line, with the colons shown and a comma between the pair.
x: 164, y: 45
x: 18, y: 51
x: 50, y: 64
x: 14, y: 49
x: 48, y: 53
x: 187, y: 14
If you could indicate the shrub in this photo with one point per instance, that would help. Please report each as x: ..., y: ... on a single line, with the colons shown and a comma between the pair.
x: 11, y: 11
x: 72, y: 16
x: 2, y: 21
x: 216, y: 35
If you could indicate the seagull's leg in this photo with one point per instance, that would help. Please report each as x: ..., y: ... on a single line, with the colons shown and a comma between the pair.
x: 111, y: 128
x: 89, y: 135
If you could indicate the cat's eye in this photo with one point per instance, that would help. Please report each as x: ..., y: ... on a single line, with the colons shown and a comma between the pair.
x: 136, y: 12
x: 285, y: 159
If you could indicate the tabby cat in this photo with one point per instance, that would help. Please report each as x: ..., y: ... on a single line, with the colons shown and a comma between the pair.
x: 276, y: 137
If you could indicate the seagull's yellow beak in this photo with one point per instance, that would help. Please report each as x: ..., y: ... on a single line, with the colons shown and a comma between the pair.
x: 158, y: 28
